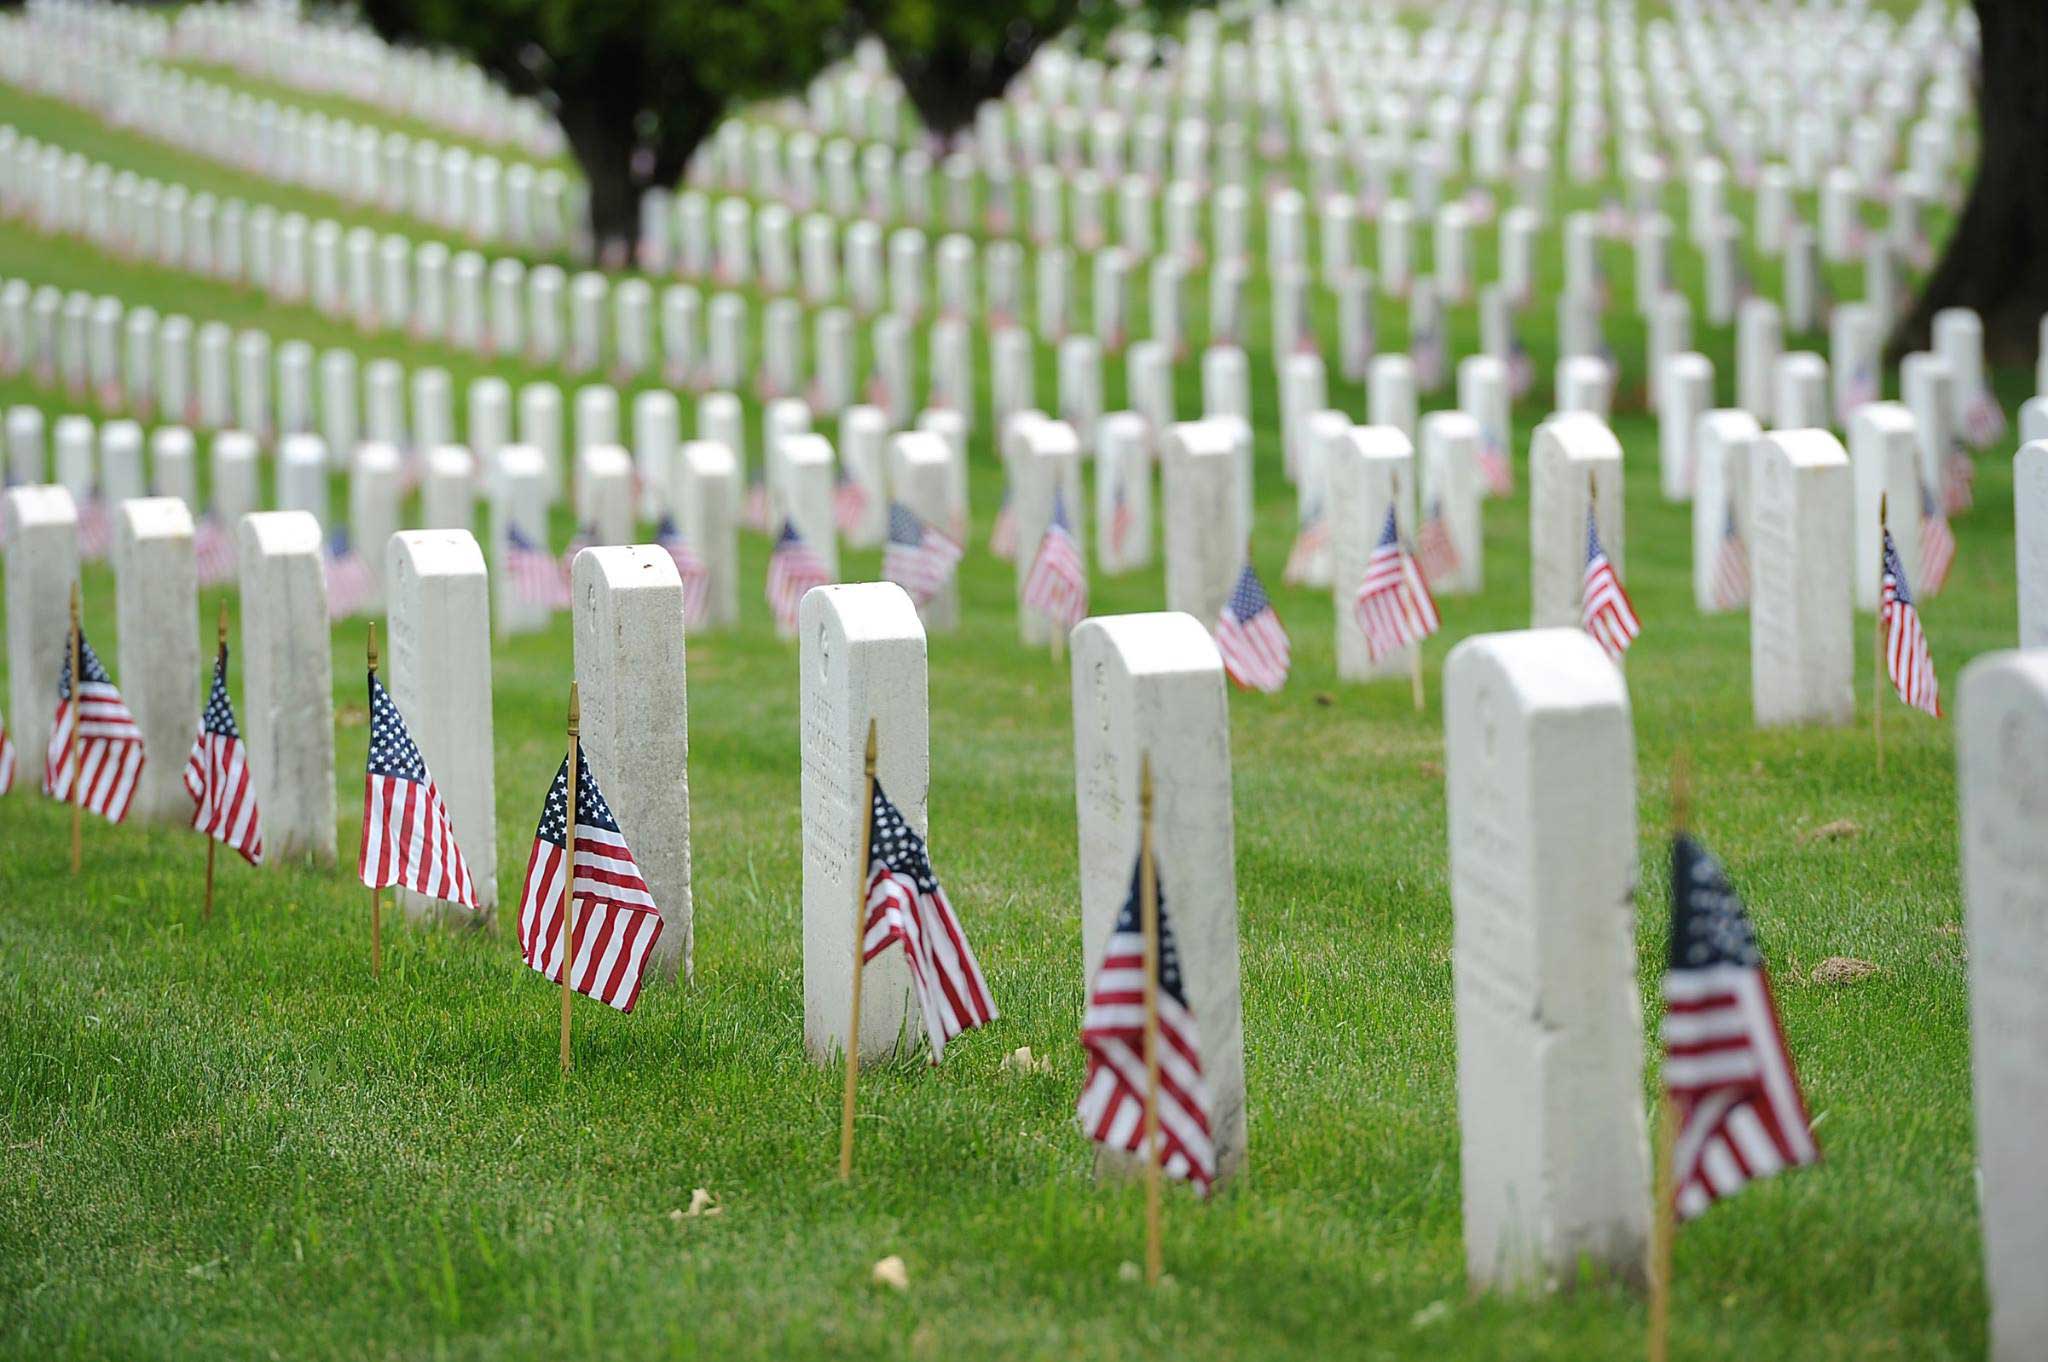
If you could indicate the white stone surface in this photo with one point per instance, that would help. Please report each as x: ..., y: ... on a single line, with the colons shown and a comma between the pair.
x: 863, y: 449
x: 376, y: 483
x: 861, y: 657
x: 1800, y: 399
x: 1540, y: 783
x: 437, y: 663
x: 708, y: 500
x: 42, y: 567
x: 1371, y: 469
x: 288, y: 683
x: 1205, y: 536
x: 1884, y: 453
x: 921, y: 478
x: 156, y: 605
x: 628, y: 613
x: 173, y: 465
x: 1152, y: 686
x: 519, y: 499
x: 1043, y: 457
x: 448, y: 491
x: 2002, y: 789
x: 1452, y: 487
x: 1801, y: 651
x: 1572, y: 458
x: 302, y: 476
x: 2030, y: 515
x: 1686, y: 392
x: 604, y: 494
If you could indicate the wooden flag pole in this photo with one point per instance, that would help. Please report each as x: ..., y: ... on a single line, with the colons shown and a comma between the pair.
x: 1663, y: 1230
x: 212, y: 842
x: 1877, y: 657
x: 569, y: 868
x: 1148, y: 908
x: 376, y: 894
x: 71, y: 742
x: 860, y: 935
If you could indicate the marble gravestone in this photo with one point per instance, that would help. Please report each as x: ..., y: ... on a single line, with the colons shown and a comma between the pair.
x: 1152, y: 687
x: 707, y: 498
x: 1801, y: 611
x: 156, y: 603
x: 42, y: 567
x: 1554, y: 1156
x: 1574, y: 462
x: 288, y: 683
x: 2030, y: 513
x: 1370, y: 470
x: 627, y: 609
x: 861, y: 654
x: 1206, y: 538
x: 1884, y: 453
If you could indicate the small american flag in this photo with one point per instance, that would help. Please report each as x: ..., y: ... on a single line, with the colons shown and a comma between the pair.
x: 1113, y: 1095
x: 1393, y: 606
x: 109, y: 743
x: 755, y: 515
x: 1521, y: 368
x: 906, y: 904
x: 696, y: 576
x: 535, y: 575
x: 95, y: 529
x: 793, y: 568
x: 918, y: 557
x: 849, y: 503
x: 350, y: 585
x: 1937, y: 545
x: 217, y: 775
x: 407, y: 839
x: 1906, y: 658
x: 1494, y: 467
x: 1727, y: 1073
x: 1731, y: 567
x: 1057, y: 584
x: 1983, y: 421
x: 1604, y: 608
x: 1436, y: 552
x: 1002, y: 537
x: 213, y: 551
x: 7, y: 759
x: 1248, y: 635
x: 1958, y: 483
x: 1311, y: 544
x: 616, y: 922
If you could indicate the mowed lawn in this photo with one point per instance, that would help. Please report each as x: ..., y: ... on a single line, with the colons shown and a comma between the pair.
x: 224, y: 1138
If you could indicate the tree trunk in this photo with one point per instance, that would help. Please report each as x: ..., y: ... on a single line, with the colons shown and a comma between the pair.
x: 1997, y: 258
x: 601, y: 138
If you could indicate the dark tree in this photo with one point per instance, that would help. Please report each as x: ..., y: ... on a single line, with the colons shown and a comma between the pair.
x: 1997, y: 258
x: 635, y: 84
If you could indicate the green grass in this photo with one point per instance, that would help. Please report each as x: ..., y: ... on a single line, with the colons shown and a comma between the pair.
x: 225, y: 1139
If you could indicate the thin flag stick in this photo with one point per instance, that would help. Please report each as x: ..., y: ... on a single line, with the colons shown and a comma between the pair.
x: 1148, y: 907
x: 569, y: 875
x: 376, y: 893
x: 206, y: 911
x: 1877, y: 658
x: 1662, y: 1228
x: 71, y: 742
x: 860, y: 934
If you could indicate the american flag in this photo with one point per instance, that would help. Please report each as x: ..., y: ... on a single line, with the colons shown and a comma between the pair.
x: 1937, y: 545
x: 1248, y: 635
x: 407, y: 839
x: 1121, y: 518
x: 1494, y: 467
x: 535, y: 575
x: 217, y: 775
x: 1604, y: 608
x: 1983, y: 421
x: 1002, y: 536
x: 1906, y: 658
x: 7, y: 759
x: 906, y: 904
x: 213, y: 551
x: 1057, y: 584
x: 616, y: 922
x: 1113, y: 1095
x: 793, y: 568
x: 696, y: 576
x: 350, y: 584
x: 1311, y: 544
x: 1393, y: 606
x: 1727, y: 1072
x: 918, y: 557
x: 1436, y: 552
x: 849, y: 503
x: 109, y: 743
x: 1731, y: 567
x: 95, y: 528
x: 1521, y: 368
x: 1958, y: 483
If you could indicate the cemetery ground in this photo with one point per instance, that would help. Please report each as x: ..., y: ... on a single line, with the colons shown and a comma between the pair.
x: 224, y: 1138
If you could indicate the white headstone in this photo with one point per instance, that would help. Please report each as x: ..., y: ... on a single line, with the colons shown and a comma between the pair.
x: 707, y: 497
x: 288, y: 683
x: 1044, y: 460
x: 302, y: 476
x: 519, y: 500
x: 2030, y: 516
x: 1206, y: 537
x: 1451, y: 488
x: 1884, y: 451
x: 42, y: 567
x: 1370, y: 471
x: 1802, y: 658
x: 1688, y: 392
x: 1573, y: 459
x: 1123, y: 493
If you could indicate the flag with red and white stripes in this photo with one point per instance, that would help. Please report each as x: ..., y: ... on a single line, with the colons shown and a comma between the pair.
x: 849, y: 503
x: 213, y: 551
x: 1983, y: 421
x: 615, y: 923
x: 1056, y: 585
x: 1254, y: 647
x: 1122, y: 519
x: 534, y: 575
x: 351, y: 586
x: 1310, y: 552
x: 1958, y: 482
x: 95, y: 528
x: 1727, y: 1073
x: 407, y: 838
x: 1436, y: 551
x: 1937, y: 545
x: 918, y: 557
x: 1002, y: 535
x: 690, y: 566
x: 907, y: 905
x: 1604, y: 607
x: 109, y: 746
x: 1495, y: 469
x: 1906, y: 658
x: 217, y: 774
x: 7, y: 759
x: 1114, y: 1093
x: 1393, y: 606
x: 1731, y: 566
x: 793, y: 569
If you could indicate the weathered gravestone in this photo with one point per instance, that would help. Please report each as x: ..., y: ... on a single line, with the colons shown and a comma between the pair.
x: 1574, y: 464
x: 707, y: 498
x: 288, y: 682
x: 1371, y: 470
x: 42, y: 567
x: 1206, y: 538
x: 1801, y: 611
x: 156, y: 603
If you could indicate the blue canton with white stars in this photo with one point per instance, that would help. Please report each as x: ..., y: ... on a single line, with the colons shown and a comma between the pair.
x: 392, y: 750
x: 220, y: 715
x: 95, y: 674
x: 591, y: 810
x: 904, y: 526
x: 1249, y: 600
x: 900, y: 850
x: 1893, y: 569
x: 1132, y: 920
x: 1709, y: 925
